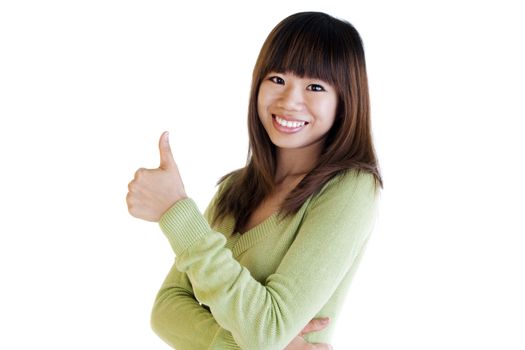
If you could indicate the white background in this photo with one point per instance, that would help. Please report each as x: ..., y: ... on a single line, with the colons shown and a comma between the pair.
x: 87, y: 87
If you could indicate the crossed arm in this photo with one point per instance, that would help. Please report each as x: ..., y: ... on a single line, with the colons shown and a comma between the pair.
x: 245, y: 313
x: 182, y: 322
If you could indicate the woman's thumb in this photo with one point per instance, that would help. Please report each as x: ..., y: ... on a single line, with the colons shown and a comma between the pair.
x: 166, y: 157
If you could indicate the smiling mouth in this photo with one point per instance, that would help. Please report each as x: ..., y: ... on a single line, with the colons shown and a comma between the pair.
x: 289, y: 124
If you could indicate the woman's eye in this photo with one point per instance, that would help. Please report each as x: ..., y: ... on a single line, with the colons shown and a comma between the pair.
x: 315, y: 87
x: 277, y: 80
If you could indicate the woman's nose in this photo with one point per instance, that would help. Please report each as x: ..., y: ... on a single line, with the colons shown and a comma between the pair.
x: 292, y: 99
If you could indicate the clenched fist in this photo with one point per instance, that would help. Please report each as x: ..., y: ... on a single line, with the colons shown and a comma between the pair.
x: 153, y: 191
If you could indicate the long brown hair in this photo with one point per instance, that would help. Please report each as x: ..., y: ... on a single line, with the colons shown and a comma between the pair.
x: 314, y: 45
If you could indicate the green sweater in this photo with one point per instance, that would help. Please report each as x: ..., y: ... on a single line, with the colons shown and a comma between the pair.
x: 258, y: 290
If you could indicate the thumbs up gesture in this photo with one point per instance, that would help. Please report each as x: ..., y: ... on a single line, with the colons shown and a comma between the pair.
x: 153, y: 191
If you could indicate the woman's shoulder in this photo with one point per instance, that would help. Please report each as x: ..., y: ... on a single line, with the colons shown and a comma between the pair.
x: 351, y: 184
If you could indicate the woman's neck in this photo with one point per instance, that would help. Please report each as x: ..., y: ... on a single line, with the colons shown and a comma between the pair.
x: 295, y: 163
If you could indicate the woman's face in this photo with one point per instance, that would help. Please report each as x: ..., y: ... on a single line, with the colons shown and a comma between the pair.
x: 296, y: 112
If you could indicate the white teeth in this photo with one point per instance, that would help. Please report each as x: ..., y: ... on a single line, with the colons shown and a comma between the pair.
x: 289, y: 124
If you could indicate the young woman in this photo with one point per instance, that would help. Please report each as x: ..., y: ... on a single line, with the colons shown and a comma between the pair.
x: 278, y: 245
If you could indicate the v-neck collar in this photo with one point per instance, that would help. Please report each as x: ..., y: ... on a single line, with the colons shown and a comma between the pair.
x: 253, y: 235
x: 239, y: 243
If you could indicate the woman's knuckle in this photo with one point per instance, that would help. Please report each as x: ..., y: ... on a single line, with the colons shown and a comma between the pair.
x: 139, y: 173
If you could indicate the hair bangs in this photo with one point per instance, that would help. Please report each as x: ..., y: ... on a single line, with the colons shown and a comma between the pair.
x: 305, y: 49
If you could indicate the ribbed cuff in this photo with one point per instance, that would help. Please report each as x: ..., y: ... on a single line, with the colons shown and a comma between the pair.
x: 183, y: 224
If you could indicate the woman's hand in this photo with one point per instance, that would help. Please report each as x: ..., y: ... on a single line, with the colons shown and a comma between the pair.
x: 153, y: 191
x: 315, y: 325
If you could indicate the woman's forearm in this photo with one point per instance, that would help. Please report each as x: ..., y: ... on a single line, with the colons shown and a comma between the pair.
x: 181, y: 321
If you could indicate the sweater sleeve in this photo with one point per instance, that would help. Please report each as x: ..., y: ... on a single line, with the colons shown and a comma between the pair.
x: 268, y: 316
x: 180, y: 320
